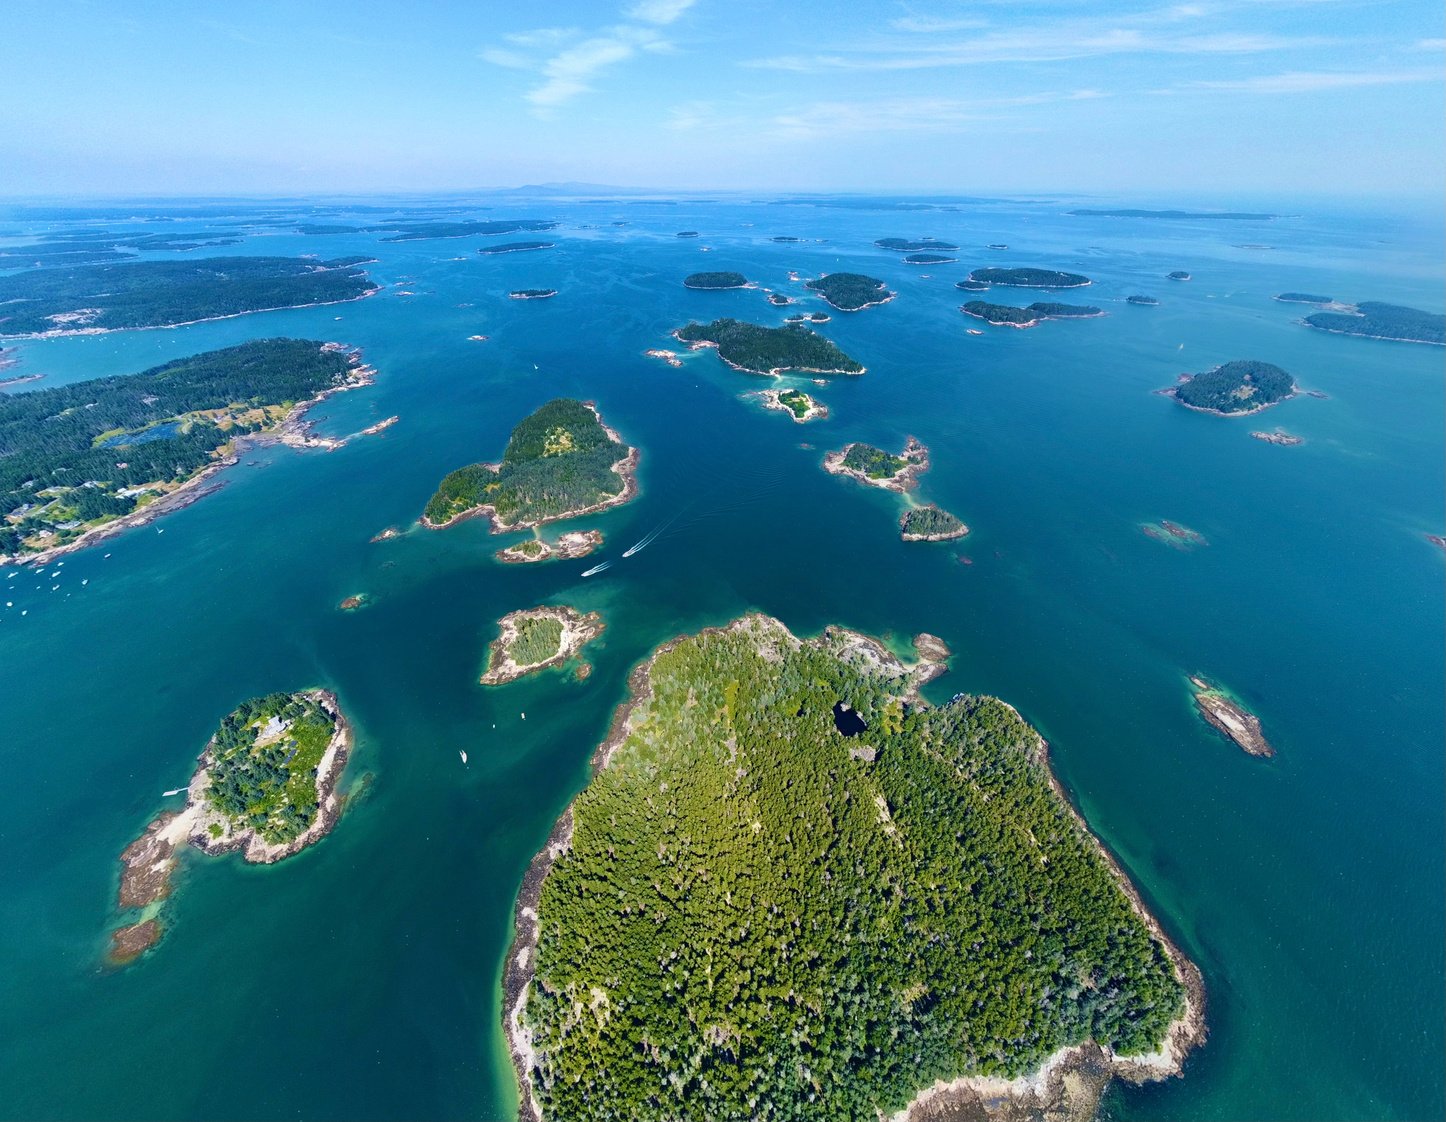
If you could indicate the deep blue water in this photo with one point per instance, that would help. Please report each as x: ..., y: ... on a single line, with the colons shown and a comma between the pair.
x: 361, y: 979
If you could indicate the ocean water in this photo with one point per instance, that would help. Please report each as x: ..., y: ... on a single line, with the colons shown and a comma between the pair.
x: 361, y: 978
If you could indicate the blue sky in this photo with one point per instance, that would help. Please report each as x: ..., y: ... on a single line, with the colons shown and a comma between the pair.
x: 1224, y: 97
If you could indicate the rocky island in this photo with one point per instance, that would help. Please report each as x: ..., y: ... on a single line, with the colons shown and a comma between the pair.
x: 1230, y: 718
x: 531, y: 293
x: 1028, y: 278
x: 1373, y: 320
x: 1234, y: 389
x: 1173, y: 534
x: 265, y: 786
x: 1178, y: 275
x: 797, y: 404
x: 782, y: 845
x: 537, y: 638
x: 768, y: 350
x: 561, y: 461
x: 878, y: 468
x: 135, y: 446
x: 1279, y: 436
x: 91, y: 299
x: 930, y: 524
x: 1142, y: 301
x: 568, y: 547
x: 851, y: 292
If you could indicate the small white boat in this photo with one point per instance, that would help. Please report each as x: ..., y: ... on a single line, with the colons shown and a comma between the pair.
x: 524, y: 716
x: 463, y: 755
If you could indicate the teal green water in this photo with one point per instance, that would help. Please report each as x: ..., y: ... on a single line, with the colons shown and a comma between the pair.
x: 361, y: 979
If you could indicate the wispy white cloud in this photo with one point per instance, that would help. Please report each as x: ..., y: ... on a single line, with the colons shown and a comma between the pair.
x: 570, y: 71
x: 1044, y: 44
x: 1430, y: 45
x: 657, y: 11
x: 1305, y: 81
x: 569, y: 59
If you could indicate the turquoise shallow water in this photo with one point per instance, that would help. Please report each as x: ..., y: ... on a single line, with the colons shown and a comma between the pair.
x: 361, y: 979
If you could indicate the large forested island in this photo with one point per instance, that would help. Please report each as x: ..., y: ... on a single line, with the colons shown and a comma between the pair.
x: 265, y: 785
x: 906, y: 245
x: 1006, y: 315
x: 514, y: 247
x: 1234, y: 388
x: 851, y: 292
x: 422, y: 231
x: 792, y: 889
x: 1373, y: 320
x: 561, y: 461
x: 769, y: 350
x: 92, y: 298
x: 1029, y: 278
x: 81, y: 460
x: 715, y: 280
x: 1235, y: 216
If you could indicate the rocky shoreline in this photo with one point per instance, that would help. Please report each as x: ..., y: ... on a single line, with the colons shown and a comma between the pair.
x: 148, y: 862
x: 577, y: 630
x: 814, y: 411
x: 568, y: 547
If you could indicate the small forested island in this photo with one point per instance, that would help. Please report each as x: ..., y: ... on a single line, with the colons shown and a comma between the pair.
x: 1373, y: 320
x: 1178, y: 275
x: 532, y: 293
x: 930, y: 524
x: 715, y: 280
x: 561, y: 461
x: 904, y: 245
x: 1142, y: 301
x: 1234, y: 216
x: 537, y: 638
x: 797, y: 404
x: 811, y: 317
x: 515, y: 247
x: 1230, y: 718
x: 1279, y: 436
x: 971, y: 285
x: 78, y: 462
x: 1234, y: 388
x: 422, y: 231
x: 1028, y: 278
x: 769, y: 350
x: 928, y: 259
x: 90, y: 299
x: 779, y: 300
x: 851, y: 292
x: 686, y: 234
x: 792, y: 888
x: 783, y: 238
x: 878, y: 468
x: 265, y: 785
x: 1005, y: 315
x: 568, y: 547
x: 1303, y: 298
